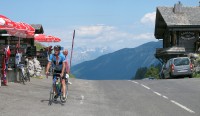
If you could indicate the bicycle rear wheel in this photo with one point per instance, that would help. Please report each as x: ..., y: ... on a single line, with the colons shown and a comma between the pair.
x: 28, y: 76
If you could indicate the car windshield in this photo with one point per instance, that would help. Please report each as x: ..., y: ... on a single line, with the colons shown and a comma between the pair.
x: 181, y: 61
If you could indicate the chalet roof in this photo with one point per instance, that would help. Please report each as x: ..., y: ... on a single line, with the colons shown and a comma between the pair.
x: 177, y: 16
x: 38, y: 28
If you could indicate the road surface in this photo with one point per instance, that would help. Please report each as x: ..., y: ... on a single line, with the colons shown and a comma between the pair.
x: 173, y: 97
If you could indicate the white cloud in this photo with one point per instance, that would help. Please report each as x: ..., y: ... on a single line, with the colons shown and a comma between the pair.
x: 94, y: 36
x: 147, y: 36
x: 93, y: 30
x: 148, y: 18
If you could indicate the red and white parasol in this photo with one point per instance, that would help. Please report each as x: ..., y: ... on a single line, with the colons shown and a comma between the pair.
x: 7, y: 24
x: 46, y: 38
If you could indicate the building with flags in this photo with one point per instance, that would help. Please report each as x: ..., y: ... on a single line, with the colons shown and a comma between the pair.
x: 11, y: 44
x: 14, y: 43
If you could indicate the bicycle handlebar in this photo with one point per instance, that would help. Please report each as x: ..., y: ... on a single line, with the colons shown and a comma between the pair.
x: 20, y: 65
x: 54, y: 74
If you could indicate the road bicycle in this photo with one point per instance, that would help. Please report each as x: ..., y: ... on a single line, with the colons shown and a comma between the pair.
x: 58, y: 88
x: 23, y: 73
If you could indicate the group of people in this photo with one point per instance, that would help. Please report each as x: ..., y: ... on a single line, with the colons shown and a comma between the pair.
x: 58, y: 60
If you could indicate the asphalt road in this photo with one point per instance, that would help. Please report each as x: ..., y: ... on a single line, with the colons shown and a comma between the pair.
x: 173, y: 97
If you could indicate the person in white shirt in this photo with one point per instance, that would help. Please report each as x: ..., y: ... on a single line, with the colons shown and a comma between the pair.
x: 65, y: 52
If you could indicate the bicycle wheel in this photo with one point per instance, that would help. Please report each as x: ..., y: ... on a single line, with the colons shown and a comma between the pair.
x: 51, y: 97
x: 67, y: 88
x: 21, y: 77
x: 27, y: 75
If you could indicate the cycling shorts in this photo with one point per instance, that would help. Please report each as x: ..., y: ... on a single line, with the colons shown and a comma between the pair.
x: 55, y: 74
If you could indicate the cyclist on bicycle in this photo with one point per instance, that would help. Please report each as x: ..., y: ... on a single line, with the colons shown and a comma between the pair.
x: 57, y: 60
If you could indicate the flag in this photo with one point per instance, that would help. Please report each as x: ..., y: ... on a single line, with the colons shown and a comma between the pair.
x: 8, y: 52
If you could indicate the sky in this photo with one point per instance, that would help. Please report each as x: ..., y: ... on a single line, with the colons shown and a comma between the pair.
x: 114, y: 24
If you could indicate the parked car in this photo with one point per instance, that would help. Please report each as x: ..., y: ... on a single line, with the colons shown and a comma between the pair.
x: 149, y: 78
x: 178, y: 67
x: 161, y: 75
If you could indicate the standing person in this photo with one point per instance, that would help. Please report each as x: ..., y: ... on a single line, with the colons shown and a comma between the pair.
x: 58, y: 61
x: 65, y: 52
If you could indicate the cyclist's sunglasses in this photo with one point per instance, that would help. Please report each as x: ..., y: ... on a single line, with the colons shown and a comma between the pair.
x: 56, y: 49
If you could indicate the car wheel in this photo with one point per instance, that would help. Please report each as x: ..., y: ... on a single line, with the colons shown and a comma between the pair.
x: 163, y: 76
x: 190, y: 76
x: 170, y: 76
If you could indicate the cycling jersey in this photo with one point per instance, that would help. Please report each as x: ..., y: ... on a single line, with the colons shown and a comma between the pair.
x: 57, y: 61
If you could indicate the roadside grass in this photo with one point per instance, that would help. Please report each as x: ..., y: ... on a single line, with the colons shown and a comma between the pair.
x: 71, y: 76
x: 196, y: 75
x: 39, y: 77
x: 43, y: 76
x: 39, y: 46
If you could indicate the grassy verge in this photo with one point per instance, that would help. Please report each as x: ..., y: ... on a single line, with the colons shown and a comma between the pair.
x: 71, y: 76
x: 39, y: 46
x: 196, y: 75
x: 43, y: 76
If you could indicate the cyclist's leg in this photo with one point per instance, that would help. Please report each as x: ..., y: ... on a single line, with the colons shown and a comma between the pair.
x: 64, y: 86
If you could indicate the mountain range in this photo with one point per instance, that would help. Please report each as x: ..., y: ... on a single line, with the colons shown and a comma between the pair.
x: 85, y: 54
x: 119, y: 65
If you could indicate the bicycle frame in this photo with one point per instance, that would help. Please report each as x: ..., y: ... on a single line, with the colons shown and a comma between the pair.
x: 55, y: 79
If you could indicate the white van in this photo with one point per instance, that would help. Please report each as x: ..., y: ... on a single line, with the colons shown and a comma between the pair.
x: 178, y: 67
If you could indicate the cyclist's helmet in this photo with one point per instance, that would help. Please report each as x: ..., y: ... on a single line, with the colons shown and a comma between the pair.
x: 57, y: 47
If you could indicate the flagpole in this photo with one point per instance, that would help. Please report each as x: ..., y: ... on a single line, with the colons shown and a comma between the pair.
x: 72, y: 48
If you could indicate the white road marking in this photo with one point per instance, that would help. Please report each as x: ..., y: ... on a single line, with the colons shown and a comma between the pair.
x: 165, y: 97
x: 145, y: 86
x: 176, y: 103
x: 182, y: 106
x: 82, y: 98
x: 157, y: 93
x: 135, y: 82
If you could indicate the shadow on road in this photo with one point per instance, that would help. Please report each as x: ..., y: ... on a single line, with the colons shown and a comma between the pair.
x: 53, y: 102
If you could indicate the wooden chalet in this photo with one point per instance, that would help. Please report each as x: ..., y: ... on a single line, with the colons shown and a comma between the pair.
x: 179, y: 28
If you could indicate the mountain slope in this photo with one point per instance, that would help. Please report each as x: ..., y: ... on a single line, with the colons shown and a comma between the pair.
x: 121, y: 64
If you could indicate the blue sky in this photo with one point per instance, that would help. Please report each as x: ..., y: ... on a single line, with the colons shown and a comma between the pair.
x: 115, y: 24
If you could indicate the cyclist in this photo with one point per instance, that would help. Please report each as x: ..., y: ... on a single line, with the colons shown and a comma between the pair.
x: 57, y: 60
x: 65, y: 52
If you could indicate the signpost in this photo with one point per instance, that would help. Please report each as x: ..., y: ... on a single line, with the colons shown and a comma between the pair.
x: 72, y: 48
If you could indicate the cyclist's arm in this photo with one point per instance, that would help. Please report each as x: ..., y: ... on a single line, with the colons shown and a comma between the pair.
x: 48, y: 66
x: 50, y: 58
x: 67, y: 68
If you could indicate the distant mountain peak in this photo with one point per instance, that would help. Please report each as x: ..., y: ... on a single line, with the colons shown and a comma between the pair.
x: 85, y: 54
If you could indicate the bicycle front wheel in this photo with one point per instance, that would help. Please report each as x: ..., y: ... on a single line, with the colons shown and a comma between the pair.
x: 28, y: 76
x: 67, y: 88
x: 51, y: 97
x: 22, y: 77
